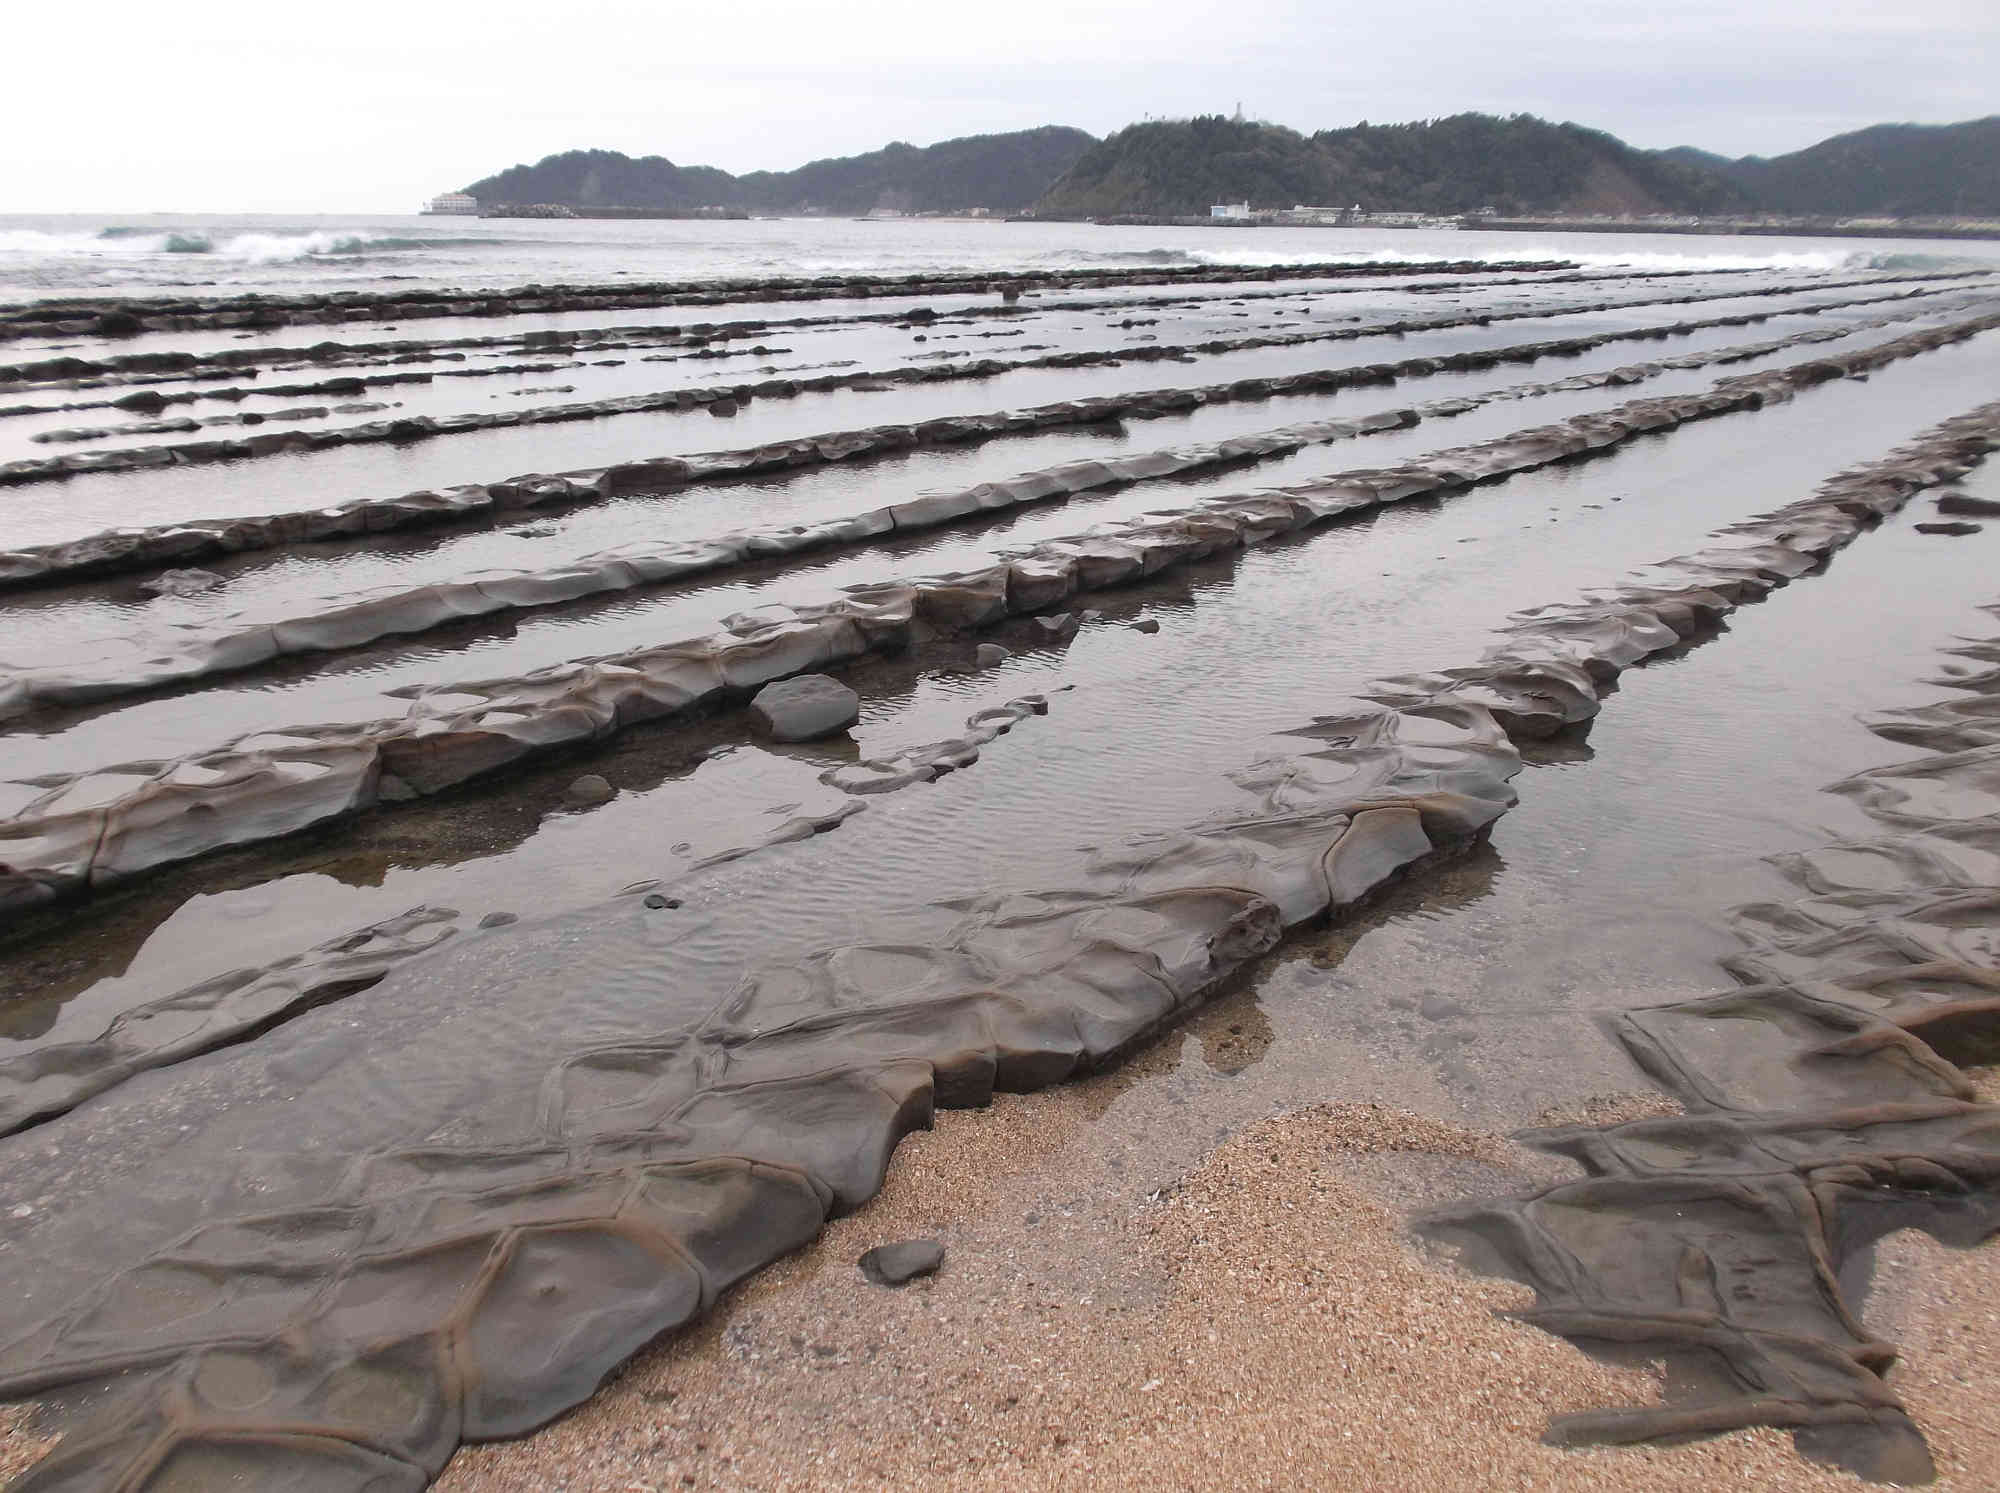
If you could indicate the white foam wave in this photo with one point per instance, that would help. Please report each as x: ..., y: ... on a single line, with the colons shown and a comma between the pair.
x: 240, y: 248
x: 1430, y: 252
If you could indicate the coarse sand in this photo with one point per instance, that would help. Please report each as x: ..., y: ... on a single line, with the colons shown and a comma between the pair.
x: 20, y: 1445
x: 1263, y: 1323
x: 1266, y: 1323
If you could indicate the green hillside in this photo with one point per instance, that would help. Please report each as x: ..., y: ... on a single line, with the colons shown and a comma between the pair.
x: 1889, y: 170
x: 1000, y: 173
x: 1177, y: 168
x: 1454, y: 165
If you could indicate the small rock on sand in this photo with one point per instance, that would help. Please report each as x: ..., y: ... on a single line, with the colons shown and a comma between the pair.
x: 805, y: 708
x: 898, y: 1264
x: 1965, y: 503
x: 1146, y: 624
x: 588, y: 789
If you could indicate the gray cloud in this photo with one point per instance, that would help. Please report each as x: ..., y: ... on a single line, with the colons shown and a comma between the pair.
x: 371, y: 105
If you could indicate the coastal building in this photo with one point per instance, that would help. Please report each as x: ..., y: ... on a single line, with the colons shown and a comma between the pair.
x: 1230, y: 210
x: 453, y: 205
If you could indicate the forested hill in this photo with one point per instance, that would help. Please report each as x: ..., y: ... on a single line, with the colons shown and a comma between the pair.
x: 1001, y: 173
x: 1889, y: 170
x: 1515, y: 165
x: 607, y: 178
x: 1175, y: 168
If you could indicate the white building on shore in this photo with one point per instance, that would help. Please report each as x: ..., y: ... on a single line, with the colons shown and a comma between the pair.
x: 452, y: 205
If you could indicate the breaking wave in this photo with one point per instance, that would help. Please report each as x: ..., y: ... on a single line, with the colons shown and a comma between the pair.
x: 1436, y: 247
x: 240, y: 248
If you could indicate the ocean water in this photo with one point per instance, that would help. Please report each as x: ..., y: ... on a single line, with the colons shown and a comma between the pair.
x: 135, y: 254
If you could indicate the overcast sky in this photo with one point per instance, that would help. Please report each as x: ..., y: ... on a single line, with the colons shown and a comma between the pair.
x: 364, y: 106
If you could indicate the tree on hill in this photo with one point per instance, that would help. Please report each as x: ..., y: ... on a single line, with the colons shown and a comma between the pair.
x: 1889, y: 170
x: 1520, y: 164
x: 607, y: 178
x: 1180, y: 167
x: 1000, y: 173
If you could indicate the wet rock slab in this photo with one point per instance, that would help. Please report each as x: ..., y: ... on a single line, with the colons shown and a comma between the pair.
x: 804, y: 708
x: 1825, y: 1111
x: 462, y: 1291
x: 139, y: 548
x: 91, y: 829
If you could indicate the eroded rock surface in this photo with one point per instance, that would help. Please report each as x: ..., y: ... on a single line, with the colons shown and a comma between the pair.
x: 58, y: 1076
x: 457, y: 1290
x: 231, y: 644
x: 1825, y: 1110
x: 139, y: 548
x: 805, y: 708
x: 73, y: 317
x: 90, y: 829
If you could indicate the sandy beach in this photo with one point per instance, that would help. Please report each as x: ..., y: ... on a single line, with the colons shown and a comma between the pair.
x: 1263, y: 1323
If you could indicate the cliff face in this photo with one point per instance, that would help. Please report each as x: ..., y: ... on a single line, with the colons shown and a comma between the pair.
x: 1521, y: 164
x: 1001, y: 173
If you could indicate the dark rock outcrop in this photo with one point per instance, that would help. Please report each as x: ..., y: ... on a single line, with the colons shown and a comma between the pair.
x: 448, y: 1292
x: 94, y: 828
x: 1968, y: 506
x: 1825, y: 1111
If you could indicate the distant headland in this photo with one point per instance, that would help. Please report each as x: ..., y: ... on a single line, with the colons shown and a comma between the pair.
x: 1479, y: 170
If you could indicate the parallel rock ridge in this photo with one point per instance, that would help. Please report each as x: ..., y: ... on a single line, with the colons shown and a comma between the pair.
x: 695, y: 339
x: 1824, y: 1112
x: 271, y: 443
x: 47, y: 1079
x: 456, y: 1293
x: 97, y: 827
x: 358, y: 620
x: 84, y: 316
